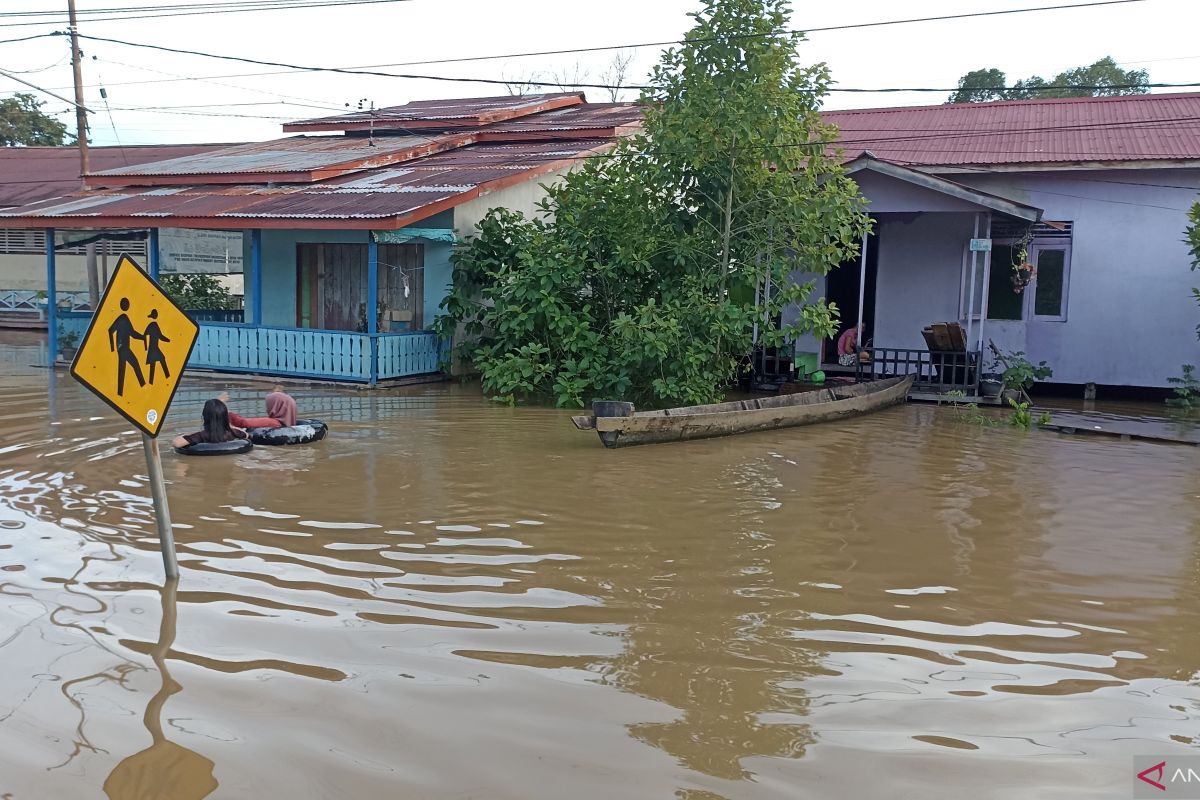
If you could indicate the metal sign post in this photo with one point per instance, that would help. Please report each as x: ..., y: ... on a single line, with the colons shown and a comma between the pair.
x: 162, y: 512
x: 139, y: 382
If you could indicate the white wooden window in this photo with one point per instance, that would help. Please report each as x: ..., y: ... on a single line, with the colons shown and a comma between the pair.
x: 1044, y: 298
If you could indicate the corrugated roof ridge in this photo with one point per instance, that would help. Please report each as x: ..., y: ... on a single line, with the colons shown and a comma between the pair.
x: 1010, y: 103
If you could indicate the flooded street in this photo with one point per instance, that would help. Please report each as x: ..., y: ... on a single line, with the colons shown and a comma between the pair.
x: 452, y: 599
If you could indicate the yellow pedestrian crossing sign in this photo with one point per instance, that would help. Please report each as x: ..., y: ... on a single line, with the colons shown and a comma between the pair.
x: 136, y: 347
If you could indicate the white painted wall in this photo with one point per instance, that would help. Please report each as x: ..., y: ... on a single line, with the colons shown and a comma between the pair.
x: 1131, y: 320
x: 920, y: 274
x: 522, y: 197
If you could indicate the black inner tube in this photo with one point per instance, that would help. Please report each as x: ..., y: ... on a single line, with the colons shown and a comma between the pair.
x: 303, y: 432
x: 216, y: 448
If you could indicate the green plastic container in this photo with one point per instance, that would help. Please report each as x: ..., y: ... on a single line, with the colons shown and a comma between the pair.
x: 817, y: 377
x: 807, y: 363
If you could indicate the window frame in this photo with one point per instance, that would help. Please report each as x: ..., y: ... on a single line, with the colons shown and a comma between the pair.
x: 1036, y: 248
x: 1029, y: 294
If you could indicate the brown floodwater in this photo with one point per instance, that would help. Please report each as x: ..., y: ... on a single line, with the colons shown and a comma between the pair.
x: 452, y: 599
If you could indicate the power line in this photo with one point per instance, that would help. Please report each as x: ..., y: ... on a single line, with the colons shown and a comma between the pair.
x: 502, y: 82
x: 43, y: 91
x: 320, y: 103
x: 158, y: 7
x: 30, y: 38
x: 284, y: 5
x: 268, y: 5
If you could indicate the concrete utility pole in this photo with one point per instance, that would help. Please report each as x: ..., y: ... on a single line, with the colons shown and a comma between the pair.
x: 81, y: 138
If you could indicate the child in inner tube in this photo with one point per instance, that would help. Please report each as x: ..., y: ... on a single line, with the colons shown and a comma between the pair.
x: 281, y: 411
x: 216, y: 427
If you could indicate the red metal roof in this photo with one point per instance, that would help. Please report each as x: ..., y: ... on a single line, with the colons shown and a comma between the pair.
x: 29, y: 174
x: 1109, y: 129
x: 384, y: 197
x: 466, y: 112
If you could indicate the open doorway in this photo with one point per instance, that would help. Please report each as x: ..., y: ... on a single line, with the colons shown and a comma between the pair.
x: 841, y: 287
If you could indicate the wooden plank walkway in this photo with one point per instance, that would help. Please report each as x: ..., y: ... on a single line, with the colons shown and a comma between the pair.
x: 1145, y: 428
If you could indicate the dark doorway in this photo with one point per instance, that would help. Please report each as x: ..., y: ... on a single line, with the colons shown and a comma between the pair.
x: 841, y: 287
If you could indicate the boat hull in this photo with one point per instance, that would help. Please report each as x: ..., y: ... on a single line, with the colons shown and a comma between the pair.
x: 747, y: 416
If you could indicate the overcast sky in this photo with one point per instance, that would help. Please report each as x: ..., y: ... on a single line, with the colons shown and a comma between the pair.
x: 228, y: 101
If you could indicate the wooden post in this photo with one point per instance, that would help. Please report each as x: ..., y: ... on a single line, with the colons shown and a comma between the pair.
x: 80, y: 109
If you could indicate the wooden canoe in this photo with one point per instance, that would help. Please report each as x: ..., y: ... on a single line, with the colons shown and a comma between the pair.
x: 619, y: 426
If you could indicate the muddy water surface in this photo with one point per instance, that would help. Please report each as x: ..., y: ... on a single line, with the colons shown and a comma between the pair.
x: 449, y: 599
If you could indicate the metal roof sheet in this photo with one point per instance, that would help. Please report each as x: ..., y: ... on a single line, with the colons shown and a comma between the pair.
x: 456, y: 113
x: 1108, y: 129
x: 384, y: 193
x: 29, y: 174
x: 614, y: 117
x: 295, y: 158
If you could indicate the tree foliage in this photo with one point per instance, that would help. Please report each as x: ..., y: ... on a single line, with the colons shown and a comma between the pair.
x: 642, y: 285
x: 1101, y: 79
x: 23, y: 123
x: 197, y: 292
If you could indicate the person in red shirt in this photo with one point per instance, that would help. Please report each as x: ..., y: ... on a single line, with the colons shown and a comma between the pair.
x: 281, y: 411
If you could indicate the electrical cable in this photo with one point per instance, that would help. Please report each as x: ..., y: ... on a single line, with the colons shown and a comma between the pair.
x: 502, y: 82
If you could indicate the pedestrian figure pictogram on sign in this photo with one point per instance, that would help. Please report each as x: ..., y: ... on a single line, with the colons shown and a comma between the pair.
x: 135, y: 368
x: 119, y: 334
x: 154, y: 353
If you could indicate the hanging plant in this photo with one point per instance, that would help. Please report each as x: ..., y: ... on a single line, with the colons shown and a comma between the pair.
x: 1023, y: 275
x: 1023, y: 271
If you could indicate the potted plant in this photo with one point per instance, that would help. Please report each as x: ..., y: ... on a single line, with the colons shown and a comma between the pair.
x: 68, y: 343
x: 1019, y: 373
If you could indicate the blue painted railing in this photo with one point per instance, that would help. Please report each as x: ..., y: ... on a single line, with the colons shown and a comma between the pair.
x: 35, y: 301
x: 402, y: 354
x: 307, y: 353
x: 203, y: 315
x: 301, y: 352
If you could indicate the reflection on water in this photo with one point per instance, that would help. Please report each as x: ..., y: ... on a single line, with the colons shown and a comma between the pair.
x: 449, y: 599
x: 164, y: 769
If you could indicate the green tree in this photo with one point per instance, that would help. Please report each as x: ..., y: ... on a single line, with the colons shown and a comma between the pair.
x: 196, y: 292
x: 981, y: 86
x: 643, y: 284
x: 23, y: 123
x: 1105, y: 78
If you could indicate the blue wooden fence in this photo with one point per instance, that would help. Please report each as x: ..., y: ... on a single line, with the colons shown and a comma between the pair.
x: 301, y: 352
x: 307, y: 353
x: 402, y: 354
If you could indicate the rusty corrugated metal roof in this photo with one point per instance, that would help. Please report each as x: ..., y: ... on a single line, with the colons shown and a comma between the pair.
x: 612, y: 118
x: 466, y: 112
x: 29, y: 174
x: 388, y: 196
x: 298, y: 159
x: 1163, y: 127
